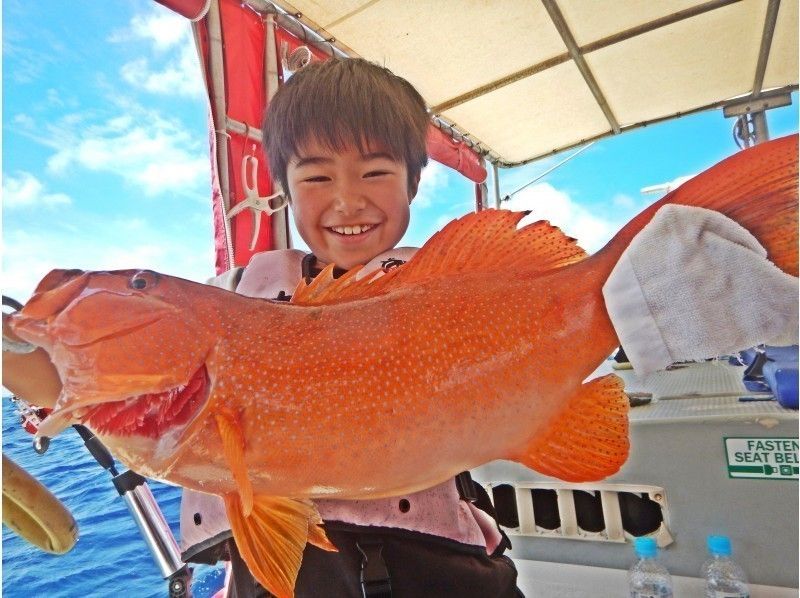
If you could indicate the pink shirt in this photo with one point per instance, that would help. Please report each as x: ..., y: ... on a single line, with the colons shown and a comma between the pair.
x: 437, y: 511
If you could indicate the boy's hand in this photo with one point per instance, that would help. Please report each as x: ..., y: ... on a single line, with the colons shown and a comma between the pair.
x: 29, y: 375
x: 11, y: 342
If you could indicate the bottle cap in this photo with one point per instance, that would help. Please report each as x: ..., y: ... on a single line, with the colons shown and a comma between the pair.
x: 719, y: 545
x: 645, y: 547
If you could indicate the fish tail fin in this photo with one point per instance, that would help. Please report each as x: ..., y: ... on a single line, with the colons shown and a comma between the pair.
x: 588, y: 440
x: 756, y: 187
x: 271, y: 539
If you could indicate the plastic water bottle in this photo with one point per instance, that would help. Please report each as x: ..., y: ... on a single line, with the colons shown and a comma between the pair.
x: 724, y: 578
x: 648, y: 578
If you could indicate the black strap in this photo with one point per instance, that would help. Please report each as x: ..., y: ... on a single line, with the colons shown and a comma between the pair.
x: 375, y: 579
x: 755, y: 371
x: 242, y: 584
x: 309, y: 270
x: 476, y: 494
x: 466, y: 487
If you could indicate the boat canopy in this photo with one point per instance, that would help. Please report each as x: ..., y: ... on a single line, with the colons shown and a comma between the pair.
x: 527, y: 78
x: 507, y: 81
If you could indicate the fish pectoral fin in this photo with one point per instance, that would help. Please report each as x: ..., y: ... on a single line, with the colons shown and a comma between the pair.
x: 233, y: 444
x: 272, y: 538
x: 589, y: 440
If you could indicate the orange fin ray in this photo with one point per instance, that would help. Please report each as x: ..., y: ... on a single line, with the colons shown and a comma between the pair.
x: 485, y: 241
x: 324, y: 288
x: 233, y: 444
x: 317, y: 537
x: 271, y: 539
x: 589, y: 440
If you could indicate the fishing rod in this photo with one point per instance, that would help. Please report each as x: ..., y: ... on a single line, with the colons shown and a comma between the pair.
x: 142, y: 505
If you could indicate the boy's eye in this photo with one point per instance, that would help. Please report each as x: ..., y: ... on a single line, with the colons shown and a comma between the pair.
x: 374, y: 173
x: 316, y: 179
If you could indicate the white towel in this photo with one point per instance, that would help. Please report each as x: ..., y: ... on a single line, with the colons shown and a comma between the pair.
x: 693, y: 284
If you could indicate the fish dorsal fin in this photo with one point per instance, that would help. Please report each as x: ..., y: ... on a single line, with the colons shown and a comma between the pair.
x: 325, y: 288
x: 485, y: 241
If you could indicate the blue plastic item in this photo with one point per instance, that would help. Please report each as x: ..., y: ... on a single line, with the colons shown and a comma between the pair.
x: 756, y: 385
x: 747, y: 356
x: 719, y: 545
x: 722, y: 575
x: 647, y: 577
x: 782, y: 379
x: 789, y: 353
x: 645, y: 547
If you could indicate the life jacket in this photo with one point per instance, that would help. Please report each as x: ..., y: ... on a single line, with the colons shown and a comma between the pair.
x: 445, y: 518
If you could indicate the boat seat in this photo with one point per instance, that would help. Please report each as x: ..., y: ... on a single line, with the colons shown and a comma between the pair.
x: 774, y: 353
x: 756, y: 361
x: 781, y: 376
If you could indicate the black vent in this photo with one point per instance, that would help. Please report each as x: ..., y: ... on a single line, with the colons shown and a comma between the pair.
x: 640, y: 515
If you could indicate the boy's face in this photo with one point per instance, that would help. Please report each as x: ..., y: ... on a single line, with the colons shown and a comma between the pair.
x: 348, y: 207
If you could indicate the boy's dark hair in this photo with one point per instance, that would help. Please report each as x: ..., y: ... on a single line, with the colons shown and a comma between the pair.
x: 341, y: 102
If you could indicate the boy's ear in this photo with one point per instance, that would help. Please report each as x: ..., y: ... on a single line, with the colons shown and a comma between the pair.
x: 413, y: 187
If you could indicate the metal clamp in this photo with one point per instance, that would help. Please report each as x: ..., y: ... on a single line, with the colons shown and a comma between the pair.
x: 375, y: 579
x: 253, y: 201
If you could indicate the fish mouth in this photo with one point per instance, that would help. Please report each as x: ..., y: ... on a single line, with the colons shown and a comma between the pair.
x: 152, y: 415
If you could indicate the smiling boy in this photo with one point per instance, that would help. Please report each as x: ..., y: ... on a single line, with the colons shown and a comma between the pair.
x: 346, y: 140
x: 349, y: 207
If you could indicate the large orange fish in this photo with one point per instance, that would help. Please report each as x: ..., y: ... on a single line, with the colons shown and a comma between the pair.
x: 366, y: 388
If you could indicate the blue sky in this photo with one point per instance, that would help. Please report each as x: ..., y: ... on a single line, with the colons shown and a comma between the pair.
x: 105, y: 151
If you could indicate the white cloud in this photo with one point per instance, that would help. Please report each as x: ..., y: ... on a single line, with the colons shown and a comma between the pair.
x: 620, y: 200
x: 53, y: 98
x: 146, y: 150
x: 29, y: 255
x: 24, y: 191
x: 164, y: 28
x: 180, y: 76
x: 24, y: 120
x: 175, y: 68
x: 434, y: 179
x: 548, y: 203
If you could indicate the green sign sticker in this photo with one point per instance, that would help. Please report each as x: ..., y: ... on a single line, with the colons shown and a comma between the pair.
x: 763, y: 458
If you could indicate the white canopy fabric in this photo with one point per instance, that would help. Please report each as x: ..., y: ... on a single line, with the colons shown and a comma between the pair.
x: 526, y: 78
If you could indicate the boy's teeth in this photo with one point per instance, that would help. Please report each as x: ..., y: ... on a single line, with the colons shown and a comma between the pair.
x: 352, y: 230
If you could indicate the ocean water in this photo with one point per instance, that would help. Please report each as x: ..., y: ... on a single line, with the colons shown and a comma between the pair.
x: 110, y: 556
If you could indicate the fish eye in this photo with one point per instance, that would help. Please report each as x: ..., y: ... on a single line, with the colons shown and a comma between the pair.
x: 143, y: 280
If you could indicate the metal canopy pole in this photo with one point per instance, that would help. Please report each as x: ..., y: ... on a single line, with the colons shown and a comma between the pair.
x: 218, y: 110
x: 481, y: 192
x: 496, y: 177
x: 760, y: 118
x: 751, y: 112
x: 577, y: 57
x: 279, y: 222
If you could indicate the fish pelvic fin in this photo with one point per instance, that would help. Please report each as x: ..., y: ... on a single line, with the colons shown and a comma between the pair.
x: 588, y: 441
x: 485, y: 241
x: 271, y: 539
x: 233, y: 444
